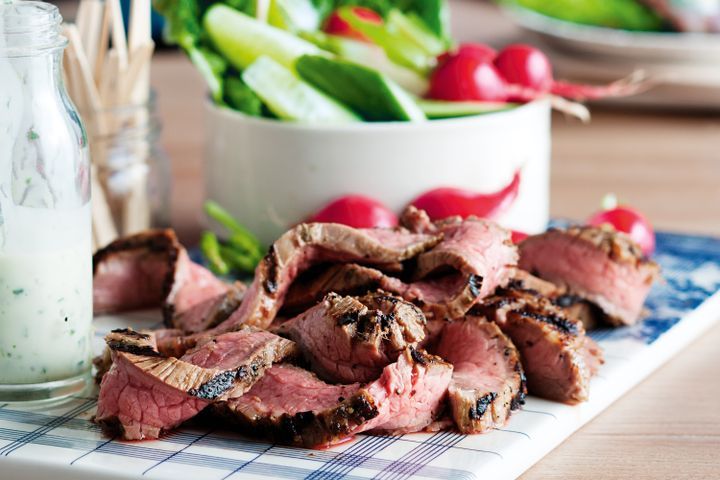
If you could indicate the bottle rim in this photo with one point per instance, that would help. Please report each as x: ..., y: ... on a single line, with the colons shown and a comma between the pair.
x: 29, y: 27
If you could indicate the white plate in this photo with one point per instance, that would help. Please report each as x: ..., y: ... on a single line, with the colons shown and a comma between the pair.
x: 685, y: 67
x: 645, y: 46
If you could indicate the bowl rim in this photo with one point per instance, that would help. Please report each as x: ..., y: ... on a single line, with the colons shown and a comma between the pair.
x: 396, y: 126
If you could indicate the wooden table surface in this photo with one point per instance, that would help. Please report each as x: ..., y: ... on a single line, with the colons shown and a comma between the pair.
x: 666, y: 164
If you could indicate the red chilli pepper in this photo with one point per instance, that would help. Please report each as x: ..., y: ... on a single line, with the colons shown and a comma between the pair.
x: 446, y: 202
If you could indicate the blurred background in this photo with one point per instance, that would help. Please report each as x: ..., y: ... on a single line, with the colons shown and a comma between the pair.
x: 659, y: 152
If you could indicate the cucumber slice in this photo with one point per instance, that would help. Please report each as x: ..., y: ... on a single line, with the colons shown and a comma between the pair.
x: 367, y: 91
x: 242, y: 39
x: 398, y: 48
x: 370, y: 55
x: 290, y: 98
x: 293, y: 15
x: 441, y: 109
x: 413, y: 29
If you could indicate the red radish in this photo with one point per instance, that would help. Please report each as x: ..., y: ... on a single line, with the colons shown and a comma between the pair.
x: 628, y: 220
x: 465, y: 77
x: 335, y: 25
x: 445, y: 202
x: 528, y: 72
x: 518, y: 237
x: 525, y: 66
x: 474, y: 50
x: 356, y: 211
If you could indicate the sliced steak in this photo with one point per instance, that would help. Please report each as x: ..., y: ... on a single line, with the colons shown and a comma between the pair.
x: 210, y: 312
x: 349, y: 339
x: 474, y: 258
x: 343, y: 279
x: 292, y: 406
x: 137, y: 272
x: 144, y: 393
x: 596, y: 263
x: 197, y: 287
x: 557, y: 356
x: 307, y: 245
x: 410, y: 393
x: 487, y: 381
x: 150, y: 270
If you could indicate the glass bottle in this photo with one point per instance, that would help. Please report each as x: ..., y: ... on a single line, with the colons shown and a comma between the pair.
x: 45, y: 235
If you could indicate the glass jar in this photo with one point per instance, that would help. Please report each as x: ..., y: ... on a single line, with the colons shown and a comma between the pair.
x: 131, y: 167
x: 45, y: 233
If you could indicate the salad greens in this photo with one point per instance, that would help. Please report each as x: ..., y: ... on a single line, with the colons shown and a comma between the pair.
x: 288, y: 97
x: 369, y: 92
x: 286, y: 67
x: 622, y: 14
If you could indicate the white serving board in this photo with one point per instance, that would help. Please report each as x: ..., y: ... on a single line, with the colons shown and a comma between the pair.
x: 62, y: 443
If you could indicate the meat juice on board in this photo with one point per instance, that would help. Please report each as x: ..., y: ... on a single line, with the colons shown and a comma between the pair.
x: 45, y: 235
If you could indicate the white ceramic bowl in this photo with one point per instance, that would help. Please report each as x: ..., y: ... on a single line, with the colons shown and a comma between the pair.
x: 272, y: 175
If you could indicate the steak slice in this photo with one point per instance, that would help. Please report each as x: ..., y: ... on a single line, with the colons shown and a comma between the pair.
x: 150, y: 269
x: 198, y: 286
x: 292, y: 406
x: 599, y: 264
x: 342, y: 278
x: 210, y: 312
x: 144, y: 393
x: 488, y: 380
x: 307, y: 245
x: 474, y: 258
x: 137, y: 272
x: 348, y: 339
x: 557, y: 356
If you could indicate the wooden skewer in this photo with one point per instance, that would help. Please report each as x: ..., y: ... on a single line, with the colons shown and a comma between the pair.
x: 100, y: 79
x: 140, y: 59
x: 119, y: 38
x: 103, y: 225
x: 104, y: 39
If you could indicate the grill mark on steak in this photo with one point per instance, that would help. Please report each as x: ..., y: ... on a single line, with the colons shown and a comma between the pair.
x: 481, y: 406
x: 475, y: 284
x: 554, y: 348
x: 561, y: 323
x: 131, y: 341
x: 351, y: 339
x: 271, y: 261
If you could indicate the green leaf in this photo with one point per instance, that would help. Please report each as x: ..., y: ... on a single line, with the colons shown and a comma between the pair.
x: 239, y: 96
x: 434, y: 13
x: 212, y: 67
